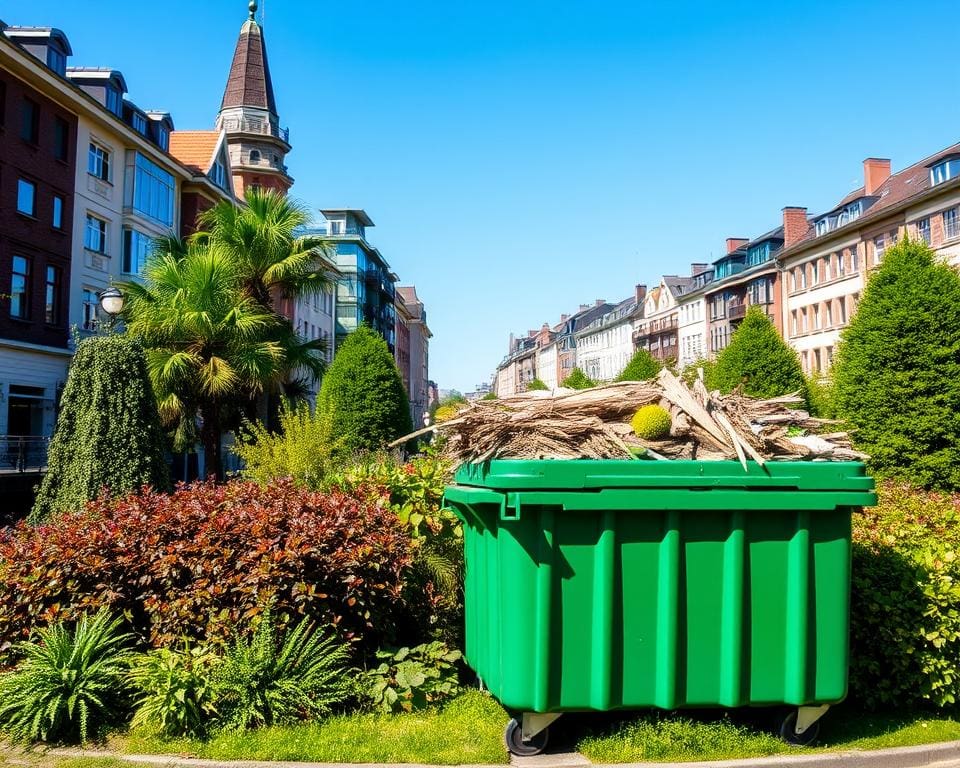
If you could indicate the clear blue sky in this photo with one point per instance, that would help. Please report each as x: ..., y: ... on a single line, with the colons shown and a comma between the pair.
x: 523, y: 158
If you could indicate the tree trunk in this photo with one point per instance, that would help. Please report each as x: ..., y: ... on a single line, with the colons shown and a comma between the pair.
x: 210, y: 437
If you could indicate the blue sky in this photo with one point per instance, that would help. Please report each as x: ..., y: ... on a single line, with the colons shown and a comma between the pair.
x: 522, y: 158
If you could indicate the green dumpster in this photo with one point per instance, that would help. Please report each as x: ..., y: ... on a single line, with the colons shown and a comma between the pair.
x: 600, y: 585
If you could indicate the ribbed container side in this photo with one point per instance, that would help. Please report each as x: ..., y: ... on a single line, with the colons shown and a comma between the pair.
x: 617, y: 609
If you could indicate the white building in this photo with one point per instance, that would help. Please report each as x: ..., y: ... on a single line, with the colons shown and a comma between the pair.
x: 547, y: 364
x: 605, y: 346
x: 692, y: 321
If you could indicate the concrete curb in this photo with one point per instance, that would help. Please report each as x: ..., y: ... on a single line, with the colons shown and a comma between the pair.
x: 944, y: 754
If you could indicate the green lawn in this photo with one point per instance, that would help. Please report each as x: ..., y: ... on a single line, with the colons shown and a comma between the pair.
x: 468, y: 730
x: 680, y: 738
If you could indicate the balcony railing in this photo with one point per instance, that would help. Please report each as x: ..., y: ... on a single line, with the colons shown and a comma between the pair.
x: 23, y: 453
x: 263, y: 162
x: 262, y: 127
x: 736, y: 311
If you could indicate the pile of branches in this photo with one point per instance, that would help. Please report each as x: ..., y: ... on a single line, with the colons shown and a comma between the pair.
x: 595, y: 424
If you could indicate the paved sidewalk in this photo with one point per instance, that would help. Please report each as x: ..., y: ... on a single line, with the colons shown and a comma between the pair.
x: 946, y: 755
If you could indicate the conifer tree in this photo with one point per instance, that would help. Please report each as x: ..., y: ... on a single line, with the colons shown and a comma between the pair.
x: 897, y: 376
x: 108, y: 433
x: 362, y: 394
x: 757, y: 360
x: 578, y: 380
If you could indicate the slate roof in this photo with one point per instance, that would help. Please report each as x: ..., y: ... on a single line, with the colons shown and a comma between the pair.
x: 249, y: 83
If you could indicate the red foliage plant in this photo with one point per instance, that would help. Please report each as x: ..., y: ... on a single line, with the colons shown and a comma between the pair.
x: 206, y: 559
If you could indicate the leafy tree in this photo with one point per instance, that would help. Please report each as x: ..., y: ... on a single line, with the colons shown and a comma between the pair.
x: 362, y: 394
x: 210, y: 348
x: 537, y: 385
x: 578, y: 380
x: 489, y: 396
x: 108, y: 432
x: 898, y: 368
x: 757, y: 360
x: 642, y: 367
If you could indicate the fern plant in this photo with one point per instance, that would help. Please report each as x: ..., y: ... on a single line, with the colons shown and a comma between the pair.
x: 70, y: 685
x: 266, y: 680
x: 176, y: 691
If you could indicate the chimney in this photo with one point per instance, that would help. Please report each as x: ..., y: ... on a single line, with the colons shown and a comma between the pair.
x: 696, y: 269
x: 876, y: 170
x: 599, y: 302
x: 795, y: 224
x: 564, y: 318
x: 531, y: 334
x: 733, y: 243
x: 584, y: 307
x: 641, y: 293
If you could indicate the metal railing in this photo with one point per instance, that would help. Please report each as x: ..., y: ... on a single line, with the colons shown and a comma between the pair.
x: 23, y: 453
x: 263, y: 127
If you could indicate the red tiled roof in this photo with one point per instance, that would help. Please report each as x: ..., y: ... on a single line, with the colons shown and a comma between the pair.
x: 194, y: 149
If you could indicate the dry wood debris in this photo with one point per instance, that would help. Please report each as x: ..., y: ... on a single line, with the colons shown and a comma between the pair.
x: 594, y: 424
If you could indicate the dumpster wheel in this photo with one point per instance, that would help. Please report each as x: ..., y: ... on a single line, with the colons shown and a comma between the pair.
x: 788, y: 728
x: 513, y: 737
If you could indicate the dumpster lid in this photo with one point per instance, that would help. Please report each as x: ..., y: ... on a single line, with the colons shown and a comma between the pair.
x: 547, y: 474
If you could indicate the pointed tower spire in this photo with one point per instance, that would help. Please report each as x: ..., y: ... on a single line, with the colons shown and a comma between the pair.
x: 248, y: 114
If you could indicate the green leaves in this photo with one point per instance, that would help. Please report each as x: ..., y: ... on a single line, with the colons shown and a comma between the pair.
x: 71, y: 683
x: 578, y: 380
x: 898, y: 368
x: 413, y: 678
x: 642, y: 367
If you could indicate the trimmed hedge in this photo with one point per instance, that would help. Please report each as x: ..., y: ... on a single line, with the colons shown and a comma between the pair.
x: 199, y: 562
x: 905, y: 609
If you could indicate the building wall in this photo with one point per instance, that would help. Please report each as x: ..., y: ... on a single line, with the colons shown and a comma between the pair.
x: 692, y: 330
x: 507, y: 380
x: 605, y: 352
x: 547, y: 365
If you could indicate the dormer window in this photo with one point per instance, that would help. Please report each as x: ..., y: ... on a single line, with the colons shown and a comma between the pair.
x: 758, y: 254
x: 945, y: 171
x: 218, y: 175
x: 853, y: 211
x: 822, y: 226
x: 114, y: 102
x: 57, y: 61
x: 163, y: 137
x: 139, y: 123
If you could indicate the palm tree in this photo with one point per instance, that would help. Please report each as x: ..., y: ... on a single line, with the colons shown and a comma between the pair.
x: 210, y: 346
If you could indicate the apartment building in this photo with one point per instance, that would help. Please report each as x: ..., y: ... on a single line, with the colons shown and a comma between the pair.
x: 565, y: 334
x: 547, y: 368
x: 415, y: 365
x: 605, y: 346
x: 692, y: 321
x: 826, y: 264
x: 657, y: 330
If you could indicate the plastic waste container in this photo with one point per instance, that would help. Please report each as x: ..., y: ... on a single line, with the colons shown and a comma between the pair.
x: 601, y: 585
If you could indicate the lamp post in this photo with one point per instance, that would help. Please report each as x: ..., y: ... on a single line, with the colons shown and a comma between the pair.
x: 111, y: 302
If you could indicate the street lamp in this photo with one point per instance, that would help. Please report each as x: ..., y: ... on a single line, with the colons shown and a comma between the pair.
x: 111, y: 301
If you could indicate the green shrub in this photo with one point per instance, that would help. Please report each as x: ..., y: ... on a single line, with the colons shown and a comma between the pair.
x: 757, y: 360
x: 690, y: 372
x: 413, y: 678
x: 537, y: 385
x: 578, y: 380
x: 362, y: 395
x: 266, y: 680
x: 905, y: 605
x: 198, y: 562
x: 642, y: 367
x: 489, y: 396
x: 821, y: 397
x: 70, y: 684
x: 108, y: 431
x: 898, y: 368
x: 302, y: 450
x: 175, y: 691
x: 651, y: 422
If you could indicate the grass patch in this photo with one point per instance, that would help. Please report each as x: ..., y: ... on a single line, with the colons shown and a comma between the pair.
x: 467, y: 730
x: 680, y: 738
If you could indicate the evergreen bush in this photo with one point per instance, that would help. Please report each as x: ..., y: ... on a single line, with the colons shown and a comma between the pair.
x: 363, y: 396
x: 757, y: 360
x: 642, y: 367
x: 898, y: 368
x: 578, y: 380
x: 537, y: 385
x: 108, y: 433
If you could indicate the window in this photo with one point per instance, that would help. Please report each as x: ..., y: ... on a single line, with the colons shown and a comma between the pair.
x: 61, y: 139
x: 57, y: 61
x: 20, y: 288
x: 26, y: 197
x: 816, y: 360
x: 91, y: 304
x: 57, y: 212
x: 829, y: 310
x: 951, y: 224
x: 842, y: 303
x: 219, y: 175
x: 114, y: 101
x: 816, y: 317
x: 796, y: 323
x: 853, y: 211
x: 923, y: 230
x: 336, y: 228
x: 51, y: 309
x: 98, y: 162
x: 136, y: 249
x: 854, y: 260
x: 152, y: 191
x: 803, y: 320
x: 163, y: 137
x: 822, y: 227
x: 879, y: 246
x: 95, y: 234
x: 815, y: 272
x: 757, y: 254
x: 945, y: 171
x: 30, y: 122
x: 255, y: 156
x: 139, y: 123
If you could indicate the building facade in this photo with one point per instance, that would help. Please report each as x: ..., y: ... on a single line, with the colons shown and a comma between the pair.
x: 693, y: 327
x: 417, y: 368
x: 605, y: 346
x: 657, y: 330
